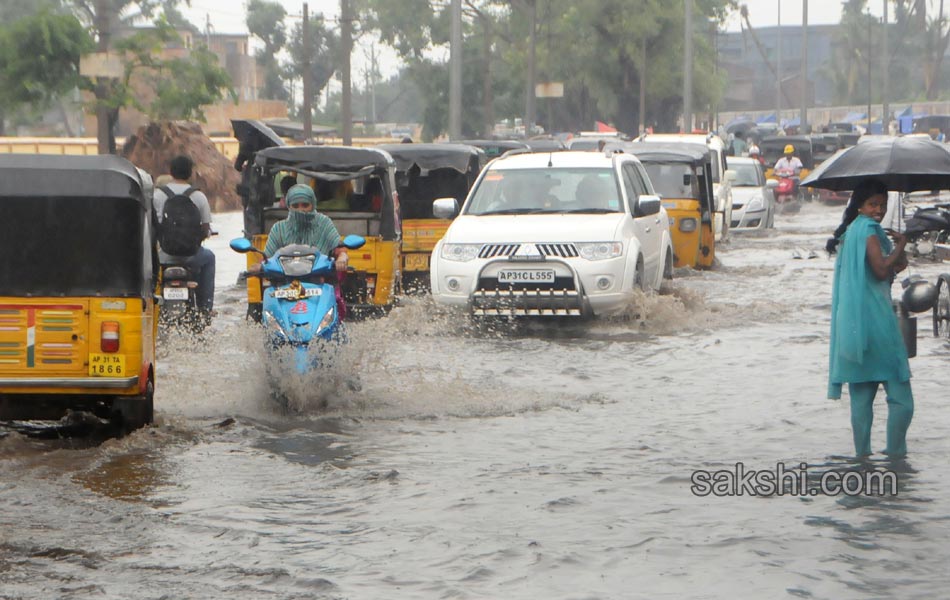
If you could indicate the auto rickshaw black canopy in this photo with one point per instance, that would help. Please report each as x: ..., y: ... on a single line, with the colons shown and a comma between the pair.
x: 773, y: 148
x: 78, y: 226
x: 435, y: 156
x: 330, y: 163
x: 494, y: 148
x: 694, y: 155
x: 48, y: 175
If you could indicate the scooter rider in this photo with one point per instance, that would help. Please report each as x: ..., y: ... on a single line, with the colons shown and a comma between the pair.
x: 200, y: 262
x: 789, y: 163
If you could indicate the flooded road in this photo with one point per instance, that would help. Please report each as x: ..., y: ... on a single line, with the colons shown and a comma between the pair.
x: 552, y: 461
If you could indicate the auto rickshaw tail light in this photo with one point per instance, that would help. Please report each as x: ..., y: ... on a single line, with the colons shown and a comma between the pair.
x: 109, y: 336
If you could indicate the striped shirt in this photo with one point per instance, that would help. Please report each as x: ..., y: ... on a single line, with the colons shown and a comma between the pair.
x: 322, y: 234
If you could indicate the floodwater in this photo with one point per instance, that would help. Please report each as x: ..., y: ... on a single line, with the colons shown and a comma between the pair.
x: 550, y: 461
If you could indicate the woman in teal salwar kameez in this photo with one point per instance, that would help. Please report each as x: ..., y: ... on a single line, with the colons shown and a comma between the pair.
x: 867, y: 349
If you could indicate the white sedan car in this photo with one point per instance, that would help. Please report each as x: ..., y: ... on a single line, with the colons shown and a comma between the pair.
x: 753, y: 203
x: 563, y: 233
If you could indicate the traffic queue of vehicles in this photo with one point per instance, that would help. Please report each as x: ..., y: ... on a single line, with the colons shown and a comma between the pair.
x: 538, y: 231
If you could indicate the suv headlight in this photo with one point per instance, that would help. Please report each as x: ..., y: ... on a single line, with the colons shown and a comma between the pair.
x: 460, y: 252
x: 755, y: 204
x: 600, y: 250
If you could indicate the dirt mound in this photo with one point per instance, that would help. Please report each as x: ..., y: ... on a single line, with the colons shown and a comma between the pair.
x: 153, y: 146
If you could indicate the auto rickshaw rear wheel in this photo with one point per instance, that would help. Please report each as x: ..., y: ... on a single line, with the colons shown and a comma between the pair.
x: 135, y: 412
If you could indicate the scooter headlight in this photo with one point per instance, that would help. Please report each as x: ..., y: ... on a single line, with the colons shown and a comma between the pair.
x: 297, y: 266
x: 327, y: 319
x: 273, y: 327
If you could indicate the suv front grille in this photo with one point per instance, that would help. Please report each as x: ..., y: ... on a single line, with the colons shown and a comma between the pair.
x: 505, y: 250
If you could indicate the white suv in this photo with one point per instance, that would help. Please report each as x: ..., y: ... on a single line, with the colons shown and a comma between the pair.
x: 563, y: 233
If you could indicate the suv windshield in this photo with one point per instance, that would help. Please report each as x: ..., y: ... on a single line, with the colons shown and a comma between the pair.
x: 548, y: 190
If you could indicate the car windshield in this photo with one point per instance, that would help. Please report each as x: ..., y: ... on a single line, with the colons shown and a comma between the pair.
x: 673, y: 180
x: 747, y: 175
x: 548, y: 190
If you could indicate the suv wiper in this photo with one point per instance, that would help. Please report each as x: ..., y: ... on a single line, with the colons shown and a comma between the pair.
x: 513, y: 211
x: 591, y: 211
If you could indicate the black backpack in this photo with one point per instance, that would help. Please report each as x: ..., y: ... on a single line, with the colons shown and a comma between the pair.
x: 180, y: 232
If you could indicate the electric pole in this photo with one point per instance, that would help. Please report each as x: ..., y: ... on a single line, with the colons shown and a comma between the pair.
x: 688, y: 71
x: 455, y: 72
x: 778, y: 68
x: 529, y: 104
x: 885, y: 88
x: 106, y: 143
x: 346, y: 39
x: 803, y: 118
x: 306, y: 106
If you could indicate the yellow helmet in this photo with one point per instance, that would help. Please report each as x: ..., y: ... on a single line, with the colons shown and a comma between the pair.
x: 789, y: 149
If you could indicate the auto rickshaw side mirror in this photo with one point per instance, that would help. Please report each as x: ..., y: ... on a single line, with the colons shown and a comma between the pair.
x: 648, y: 205
x: 445, y: 208
x: 731, y: 175
x: 771, y: 183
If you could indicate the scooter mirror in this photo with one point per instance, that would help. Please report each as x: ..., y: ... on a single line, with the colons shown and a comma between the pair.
x: 241, y: 245
x: 354, y: 241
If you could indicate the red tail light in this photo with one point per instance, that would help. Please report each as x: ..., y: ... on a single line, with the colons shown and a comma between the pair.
x: 109, y: 336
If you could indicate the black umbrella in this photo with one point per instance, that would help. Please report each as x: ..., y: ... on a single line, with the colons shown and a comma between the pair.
x: 903, y: 164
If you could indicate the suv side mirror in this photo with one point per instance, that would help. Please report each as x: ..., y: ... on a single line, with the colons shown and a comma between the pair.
x: 445, y: 208
x: 648, y: 205
x: 771, y: 183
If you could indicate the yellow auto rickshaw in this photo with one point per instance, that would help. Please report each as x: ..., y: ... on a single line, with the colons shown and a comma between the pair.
x: 424, y: 173
x: 355, y: 188
x: 681, y: 174
x: 77, y: 315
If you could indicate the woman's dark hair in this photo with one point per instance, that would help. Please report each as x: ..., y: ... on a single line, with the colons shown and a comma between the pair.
x: 860, y: 195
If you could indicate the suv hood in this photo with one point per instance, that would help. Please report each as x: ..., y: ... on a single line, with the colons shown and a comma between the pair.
x: 468, y: 229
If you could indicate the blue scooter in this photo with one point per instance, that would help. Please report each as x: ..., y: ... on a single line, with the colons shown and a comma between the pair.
x: 299, y: 299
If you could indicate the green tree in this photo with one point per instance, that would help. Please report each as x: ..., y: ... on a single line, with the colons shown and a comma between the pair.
x: 265, y: 20
x: 39, y: 60
x: 180, y: 86
x: 324, y: 54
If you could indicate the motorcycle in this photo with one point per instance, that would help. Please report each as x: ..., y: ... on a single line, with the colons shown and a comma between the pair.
x: 300, y: 305
x: 788, y: 198
x: 179, y: 301
x: 926, y: 228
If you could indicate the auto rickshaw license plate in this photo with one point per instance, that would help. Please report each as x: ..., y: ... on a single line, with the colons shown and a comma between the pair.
x: 173, y: 293
x: 416, y: 262
x: 107, y: 365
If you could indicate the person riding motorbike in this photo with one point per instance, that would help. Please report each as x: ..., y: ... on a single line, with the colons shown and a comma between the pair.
x: 789, y: 166
x: 304, y: 225
x: 182, y: 228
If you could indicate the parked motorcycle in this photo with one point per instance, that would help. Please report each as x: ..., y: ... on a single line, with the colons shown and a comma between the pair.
x: 300, y: 305
x: 926, y: 228
x: 788, y: 196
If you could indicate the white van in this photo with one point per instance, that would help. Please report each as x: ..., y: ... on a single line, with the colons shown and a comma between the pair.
x: 722, y: 178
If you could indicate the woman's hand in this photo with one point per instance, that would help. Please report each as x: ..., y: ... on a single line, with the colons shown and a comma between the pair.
x: 342, y: 261
x: 899, y: 239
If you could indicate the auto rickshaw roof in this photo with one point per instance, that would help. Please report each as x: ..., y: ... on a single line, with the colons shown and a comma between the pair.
x: 50, y: 175
x: 669, y: 152
x: 434, y: 156
x: 339, y: 159
x: 799, y: 141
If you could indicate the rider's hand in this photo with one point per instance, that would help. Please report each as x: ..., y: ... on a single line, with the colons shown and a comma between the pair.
x: 342, y: 260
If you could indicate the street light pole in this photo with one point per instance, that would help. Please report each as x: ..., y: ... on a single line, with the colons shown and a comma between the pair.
x: 869, y: 71
x: 778, y: 68
x: 886, y: 68
x: 455, y: 72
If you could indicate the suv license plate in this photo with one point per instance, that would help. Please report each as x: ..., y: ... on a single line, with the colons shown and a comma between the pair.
x: 526, y: 276
x: 174, y: 293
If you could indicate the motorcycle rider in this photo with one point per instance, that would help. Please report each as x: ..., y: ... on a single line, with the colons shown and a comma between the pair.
x: 202, y: 263
x: 789, y: 163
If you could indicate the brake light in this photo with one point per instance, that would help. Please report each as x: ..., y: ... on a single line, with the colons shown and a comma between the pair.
x: 109, y: 336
